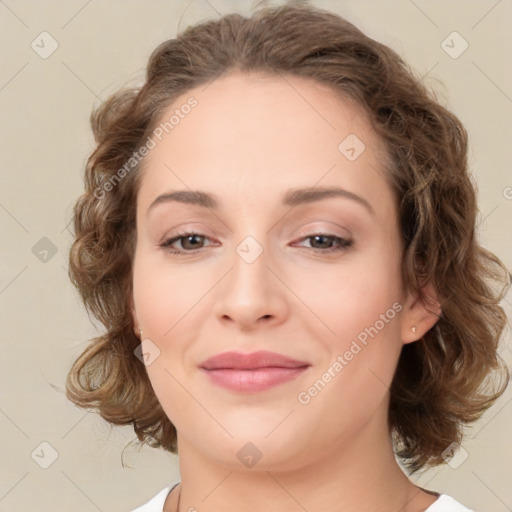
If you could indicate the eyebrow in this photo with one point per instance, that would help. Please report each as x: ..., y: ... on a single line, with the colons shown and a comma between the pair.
x: 293, y: 197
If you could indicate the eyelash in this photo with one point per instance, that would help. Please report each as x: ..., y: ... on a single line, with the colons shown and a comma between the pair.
x: 344, y: 243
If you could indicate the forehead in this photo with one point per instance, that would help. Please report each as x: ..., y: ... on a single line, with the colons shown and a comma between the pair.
x: 256, y: 134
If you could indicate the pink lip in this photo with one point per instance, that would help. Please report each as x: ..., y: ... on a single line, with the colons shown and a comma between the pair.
x: 252, y: 372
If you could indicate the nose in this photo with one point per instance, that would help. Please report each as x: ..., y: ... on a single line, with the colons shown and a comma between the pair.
x: 251, y: 294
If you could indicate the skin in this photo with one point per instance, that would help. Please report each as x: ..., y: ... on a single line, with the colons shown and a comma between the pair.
x: 249, y: 140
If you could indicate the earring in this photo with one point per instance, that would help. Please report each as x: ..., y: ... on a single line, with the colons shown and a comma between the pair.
x: 140, y: 333
x: 413, y: 328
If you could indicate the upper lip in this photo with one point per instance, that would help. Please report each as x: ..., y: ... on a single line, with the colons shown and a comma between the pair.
x: 252, y: 361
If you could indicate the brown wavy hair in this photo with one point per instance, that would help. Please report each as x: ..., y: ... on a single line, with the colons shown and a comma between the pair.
x: 445, y: 380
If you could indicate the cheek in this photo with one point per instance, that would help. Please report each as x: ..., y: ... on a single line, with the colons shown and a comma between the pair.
x: 351, y: 383
x: 164, y: 295
x: 166, y: 301
x: 172, y: 305
x: 352, y: 296
x: 360, y: 302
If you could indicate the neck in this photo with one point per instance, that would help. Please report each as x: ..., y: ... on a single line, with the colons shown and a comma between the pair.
x: 359, y: 476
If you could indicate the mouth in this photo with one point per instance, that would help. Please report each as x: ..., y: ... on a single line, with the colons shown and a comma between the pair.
x: 253, y: 372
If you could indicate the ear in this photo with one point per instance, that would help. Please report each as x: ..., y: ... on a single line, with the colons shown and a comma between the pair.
x: 420, y: 315
x: 135, y: 320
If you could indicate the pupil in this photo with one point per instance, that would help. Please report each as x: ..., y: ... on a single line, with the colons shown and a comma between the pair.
x: 320, y: 237
x: 190, y: 239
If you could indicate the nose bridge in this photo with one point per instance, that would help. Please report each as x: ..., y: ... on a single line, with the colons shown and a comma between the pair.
x: 251, y: 291
x: 250, y: 276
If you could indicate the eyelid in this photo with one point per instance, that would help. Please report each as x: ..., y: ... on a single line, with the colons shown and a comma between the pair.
x: 185, y: 229
x: 326, y: 228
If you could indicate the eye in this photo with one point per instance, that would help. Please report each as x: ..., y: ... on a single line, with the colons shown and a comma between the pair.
x: 189, y: 242
x: 324, y: 242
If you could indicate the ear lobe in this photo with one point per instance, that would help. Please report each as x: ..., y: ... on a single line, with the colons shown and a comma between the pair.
x: 420, y: 315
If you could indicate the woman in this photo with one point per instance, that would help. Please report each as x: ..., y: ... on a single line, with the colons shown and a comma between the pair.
x: 278, y: 233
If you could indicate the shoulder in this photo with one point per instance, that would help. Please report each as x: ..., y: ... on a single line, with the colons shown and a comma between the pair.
x: 446, y: 503
x: 156, y: 504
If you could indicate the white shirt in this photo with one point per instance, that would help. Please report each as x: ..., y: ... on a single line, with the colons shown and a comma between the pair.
x: 443, y: 504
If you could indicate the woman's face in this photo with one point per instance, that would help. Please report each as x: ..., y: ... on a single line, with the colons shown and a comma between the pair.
x: 275, y: 264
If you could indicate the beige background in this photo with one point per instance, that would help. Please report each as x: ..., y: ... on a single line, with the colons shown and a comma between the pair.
x: 45, y: 140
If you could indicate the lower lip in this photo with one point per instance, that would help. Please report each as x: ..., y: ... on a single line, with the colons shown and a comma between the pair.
x: 253, y: 380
